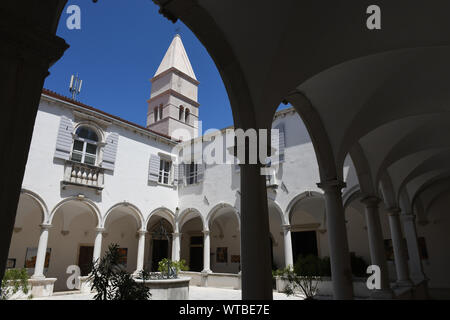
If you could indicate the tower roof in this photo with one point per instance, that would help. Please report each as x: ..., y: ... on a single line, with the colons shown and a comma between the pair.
x: 176, y: 57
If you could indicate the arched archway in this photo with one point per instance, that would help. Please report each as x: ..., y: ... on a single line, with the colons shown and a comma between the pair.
x: 31, y: 213
x: 192, y: 228
x: 71, y: 238
x: 124, y: 225
x: 223, y: 222
x: 307, y: 219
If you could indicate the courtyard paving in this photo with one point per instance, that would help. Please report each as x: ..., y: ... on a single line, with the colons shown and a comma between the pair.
x: 195, y: 293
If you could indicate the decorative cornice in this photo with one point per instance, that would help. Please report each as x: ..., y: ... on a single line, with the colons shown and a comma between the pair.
x: 176, y: 94
x: 177, y: 72
x: 332, y: 185
x: 393, y: 211
x: 371, y: 201
x: 164, y: 11
x: 21, y: 41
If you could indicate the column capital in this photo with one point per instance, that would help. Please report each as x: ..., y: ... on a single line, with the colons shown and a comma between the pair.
x: 371, y: 201
x: 393, y: 211
x: 100, y: 230
x: 206, y: 232
x: 331, y: 185
x: 408, y: 217
x: 46, y: 226
x: 142, y: 232
x: 286, y: 227
x: 176, y: 234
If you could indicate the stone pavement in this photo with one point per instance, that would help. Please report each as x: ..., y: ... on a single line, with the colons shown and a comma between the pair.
x: 195, y: 293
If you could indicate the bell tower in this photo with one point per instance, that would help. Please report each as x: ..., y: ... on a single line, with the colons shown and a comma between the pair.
x: 173, y: 101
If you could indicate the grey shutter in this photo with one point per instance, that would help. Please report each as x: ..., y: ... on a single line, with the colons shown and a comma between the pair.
x: 64, y: 139
x: 200, y: 172
x: 278, y: 143
x: 175, y: 174
x: 110, y: 151
x: 153, y: 168
x: 181, y: 173
x: 282, y: 143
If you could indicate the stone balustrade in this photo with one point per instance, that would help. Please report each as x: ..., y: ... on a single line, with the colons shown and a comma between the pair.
x: 82, y: 174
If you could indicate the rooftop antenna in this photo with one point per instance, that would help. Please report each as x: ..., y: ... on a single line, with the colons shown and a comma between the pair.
x: 75, y: 86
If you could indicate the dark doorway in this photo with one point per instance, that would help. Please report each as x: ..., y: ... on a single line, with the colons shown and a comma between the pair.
x: 196, y: 254
x: 160, y: 251
x: 304, y: 243
x: 85, y: 259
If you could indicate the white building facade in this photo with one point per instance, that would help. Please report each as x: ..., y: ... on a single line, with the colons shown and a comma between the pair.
x: 93, y: 179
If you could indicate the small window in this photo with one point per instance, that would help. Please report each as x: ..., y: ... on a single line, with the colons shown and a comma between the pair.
x: 85, y: 146
x: 155, y: 114
x: 186, y: 115
x: 160, y: 111
x: 164, y: 171
x: 191, y: 173
x: 181, y: 111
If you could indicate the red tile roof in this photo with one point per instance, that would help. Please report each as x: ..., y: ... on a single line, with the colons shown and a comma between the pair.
x: 80, y: 104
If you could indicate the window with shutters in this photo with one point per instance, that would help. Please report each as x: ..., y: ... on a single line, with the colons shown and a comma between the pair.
x: 85, y: 146
x: 191, y: 172
x: 164, y: 171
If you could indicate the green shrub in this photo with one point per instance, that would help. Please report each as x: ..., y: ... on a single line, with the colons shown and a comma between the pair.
x: 313, y: 266
x: 15, y: 280
x: 113, y: 282
x: 176, y: 266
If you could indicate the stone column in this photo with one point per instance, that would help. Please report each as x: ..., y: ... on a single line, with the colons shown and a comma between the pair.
x: 206, y: 252
x: 401, y: 264
x: 28, y: 47
x: 255, y: 235
x: 41, y: 252
x: 98, y: 245
x: 409, y: 227
x: 341, y: 273
x: 141, y: 251
x: 288, y: 259
x: 376, y: 246
x: 176, y: 246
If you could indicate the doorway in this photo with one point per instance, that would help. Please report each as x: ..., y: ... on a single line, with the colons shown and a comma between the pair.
x: 304, y: 243
x: 196, y: 254
x: 160, y: 251
x: 85, y: 259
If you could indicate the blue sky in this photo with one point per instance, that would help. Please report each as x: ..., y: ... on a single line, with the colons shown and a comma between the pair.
x: 117, y: 51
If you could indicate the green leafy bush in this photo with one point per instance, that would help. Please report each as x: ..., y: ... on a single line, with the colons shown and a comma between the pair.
x: 113, y: 282
x: 15, y: 280
x: 176, y: 266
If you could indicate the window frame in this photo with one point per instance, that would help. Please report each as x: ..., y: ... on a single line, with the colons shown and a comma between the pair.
x: 162, y: 173
x: 191, y: 174
x: 85, y: 142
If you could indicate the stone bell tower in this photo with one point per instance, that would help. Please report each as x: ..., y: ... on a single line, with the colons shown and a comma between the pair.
x: 173, y: 100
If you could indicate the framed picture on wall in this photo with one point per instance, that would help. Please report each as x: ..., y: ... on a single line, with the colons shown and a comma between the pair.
x: 11, y: 264
x: 31, y: 256
x: 222, y: 255
x: 123, y: 252
x: 235, y: 258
